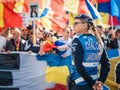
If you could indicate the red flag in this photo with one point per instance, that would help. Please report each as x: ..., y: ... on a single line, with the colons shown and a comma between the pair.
x: 83, y: 7
x: 58, y: 87
x: 57, y: 6
x: 59, y: 21
x: 113, y: 21
x: 102, y: 1
x: 11, y: 19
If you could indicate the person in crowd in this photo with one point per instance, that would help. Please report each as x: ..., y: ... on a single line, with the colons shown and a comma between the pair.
x: 47, y: 46
x: 3, y: 39
x: 112, y: 30
x: 16, y: 43
x: 64, y: 43
x: 103, y: 36
x: 115, y: 40
x: 39, y: 36
x: 87, y: 53
x: 24, y: 32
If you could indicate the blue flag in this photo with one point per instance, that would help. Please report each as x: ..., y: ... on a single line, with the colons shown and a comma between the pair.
x: 112, y: 7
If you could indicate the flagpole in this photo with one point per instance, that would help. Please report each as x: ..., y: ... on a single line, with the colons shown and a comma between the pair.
x: 34, y: 36
x: 112, y: 22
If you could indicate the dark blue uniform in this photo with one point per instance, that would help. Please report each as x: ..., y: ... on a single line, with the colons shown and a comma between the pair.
x: 86, y: 59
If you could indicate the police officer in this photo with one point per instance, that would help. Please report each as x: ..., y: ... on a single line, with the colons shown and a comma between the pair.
x: 88, y: 53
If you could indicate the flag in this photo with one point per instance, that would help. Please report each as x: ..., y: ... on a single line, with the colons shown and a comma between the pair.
x: 53, y: 18
x: 110, y: 7
x: 71, y: 18
x: 46, y: 23
x: 21, y: 7
x: 113, y: 21
x: 94, y: 13
x: 57, y: 7
x: 82, y: 9
x: 71, y: 5
x: 24, y: 71
x: 8, y: 17
x: 102, y: 1
x: 105, y: 17
x: 59, y: 21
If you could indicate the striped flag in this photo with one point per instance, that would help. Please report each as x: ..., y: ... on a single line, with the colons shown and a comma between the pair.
x: 24, y: 71
x: 113, y: 8
x: 94, y: 13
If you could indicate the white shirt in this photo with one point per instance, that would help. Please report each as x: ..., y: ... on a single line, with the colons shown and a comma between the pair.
x: 118, y: 43
x: 67, y: 42
x: 3, y: 41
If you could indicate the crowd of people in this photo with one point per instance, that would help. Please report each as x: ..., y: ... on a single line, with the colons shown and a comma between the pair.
x: 85, y: 42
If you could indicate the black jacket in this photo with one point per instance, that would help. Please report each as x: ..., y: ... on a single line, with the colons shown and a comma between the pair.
x: 113, y: 44
x: 10, y: 45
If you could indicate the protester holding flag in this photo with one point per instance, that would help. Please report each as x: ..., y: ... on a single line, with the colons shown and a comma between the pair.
x: 87, y: 55
x: 47, y: 46
x: 64, y: 43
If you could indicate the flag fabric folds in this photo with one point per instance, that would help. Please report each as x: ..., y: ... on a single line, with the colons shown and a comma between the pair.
x: 102, y: 1
x: 94, y: 13
x: 52, y: 13
x: 111, y: 6
x: 113, y: 21
x: 71, y: 5
x: 8, y: 17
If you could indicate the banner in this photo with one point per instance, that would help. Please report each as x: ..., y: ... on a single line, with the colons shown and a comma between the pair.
x: 25, y: 71
x: 22, y: 71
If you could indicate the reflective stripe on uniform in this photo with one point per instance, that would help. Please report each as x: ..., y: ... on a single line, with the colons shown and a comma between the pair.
x: 90, y: 64
x: 78, y: 80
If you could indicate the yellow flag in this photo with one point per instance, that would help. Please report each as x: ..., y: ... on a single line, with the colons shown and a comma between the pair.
x: 71, y: 5
x: 46, y: 23
x: 71, y: 18
x: 104, y: 18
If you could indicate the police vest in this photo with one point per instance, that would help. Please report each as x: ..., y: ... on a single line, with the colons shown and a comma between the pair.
x: 91, y: 58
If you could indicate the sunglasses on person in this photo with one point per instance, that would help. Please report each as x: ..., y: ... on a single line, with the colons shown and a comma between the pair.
x: 24, y: 30
x: 75, y: 23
